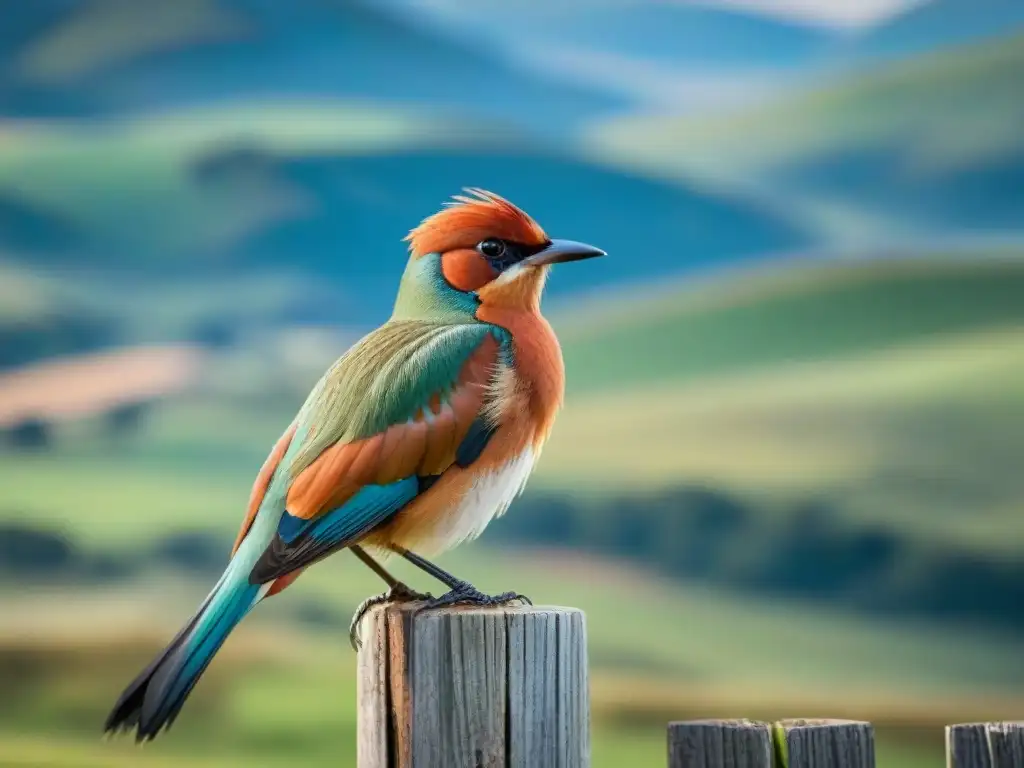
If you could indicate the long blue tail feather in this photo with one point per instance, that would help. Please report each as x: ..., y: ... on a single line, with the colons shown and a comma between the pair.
x: 153, y: 700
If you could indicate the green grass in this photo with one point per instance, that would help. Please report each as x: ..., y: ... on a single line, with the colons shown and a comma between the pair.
x: 890, y: 391
x: 784, y: 316
x: 918, y: 440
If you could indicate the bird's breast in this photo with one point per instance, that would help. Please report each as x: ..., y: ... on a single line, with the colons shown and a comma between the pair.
x: 536, y: 383
x: 527, y: 395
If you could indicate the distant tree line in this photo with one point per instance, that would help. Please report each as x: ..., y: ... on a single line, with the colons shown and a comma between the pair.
x: 693, y: 533
x: 809, y: 552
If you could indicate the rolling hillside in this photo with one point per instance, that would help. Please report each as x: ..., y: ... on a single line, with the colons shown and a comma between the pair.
x: 887, y: 391
x: 785, y: 316
x: 890, y: 392
x: 107, y: 57
x: 925, y: 148
x: 935, y: 25
x: 321, y: 194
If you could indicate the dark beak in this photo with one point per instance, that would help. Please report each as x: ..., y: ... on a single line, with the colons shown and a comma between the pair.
x: 559, y: 251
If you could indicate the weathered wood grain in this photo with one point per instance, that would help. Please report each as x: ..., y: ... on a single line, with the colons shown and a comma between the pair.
x: 372, y: 694
x: 825, y: 743
x: 985, y: 745
x: 1006, y: 744
x: 967, y: 746
x: 473, y: 687
x: 719, y: 744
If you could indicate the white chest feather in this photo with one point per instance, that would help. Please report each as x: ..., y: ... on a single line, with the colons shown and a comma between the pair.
x: 489, y: 497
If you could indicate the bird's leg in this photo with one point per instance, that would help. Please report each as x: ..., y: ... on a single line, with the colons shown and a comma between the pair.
x: 459, y: 591
x: 397, y: 592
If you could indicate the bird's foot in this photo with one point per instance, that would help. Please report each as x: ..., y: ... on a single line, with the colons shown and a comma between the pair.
x: 466, y: 594
x: 399, y: 593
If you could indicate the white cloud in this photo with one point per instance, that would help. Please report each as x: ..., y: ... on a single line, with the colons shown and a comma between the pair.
x: 846, y: 14
x: 850, y: 14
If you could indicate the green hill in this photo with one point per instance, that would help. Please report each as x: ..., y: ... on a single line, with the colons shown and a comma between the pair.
x: 101, y: 58
x: 152, y: 203
x: 308, y: 202
x: 889, y: 392
x: 737, y: 325
x: 925, y: 145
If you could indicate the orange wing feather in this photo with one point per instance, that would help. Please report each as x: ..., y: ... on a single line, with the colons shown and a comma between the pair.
x: 259, y: 488
x: 424, y: 446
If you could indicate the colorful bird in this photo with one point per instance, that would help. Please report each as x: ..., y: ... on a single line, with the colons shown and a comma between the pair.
x: 412, y: 442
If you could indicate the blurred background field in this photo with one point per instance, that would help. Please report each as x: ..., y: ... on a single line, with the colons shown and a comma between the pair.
x: 787, y: 479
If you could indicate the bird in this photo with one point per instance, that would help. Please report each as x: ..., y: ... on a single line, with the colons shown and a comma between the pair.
x: 417, y: 437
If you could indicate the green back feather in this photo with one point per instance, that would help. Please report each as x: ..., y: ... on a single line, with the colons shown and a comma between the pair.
x: 392, y: 372
x: 384, y: 380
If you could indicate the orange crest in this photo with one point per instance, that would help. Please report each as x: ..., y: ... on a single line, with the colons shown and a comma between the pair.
x: 470, y: 218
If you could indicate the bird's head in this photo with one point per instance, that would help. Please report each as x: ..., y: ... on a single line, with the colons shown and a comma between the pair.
x: 480, y: 249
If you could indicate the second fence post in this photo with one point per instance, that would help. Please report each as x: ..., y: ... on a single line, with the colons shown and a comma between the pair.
x: 719, y: 744
x: 985, y: 745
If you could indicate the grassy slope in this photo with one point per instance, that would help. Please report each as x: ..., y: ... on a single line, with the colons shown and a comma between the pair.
x: 129, y: 192
x: 221, y: 214
x: 874, y: 106
x: 146, y: 165
x: 781, y: 316
x: 890, y: 391
x: 915, y: 125
x: 196, y: 51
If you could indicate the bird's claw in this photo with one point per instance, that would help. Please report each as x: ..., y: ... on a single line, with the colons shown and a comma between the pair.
x: 399, y: 593
x: 467, y: 594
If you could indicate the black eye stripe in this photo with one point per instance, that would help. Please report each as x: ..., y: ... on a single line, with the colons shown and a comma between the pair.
x: 510, y: 254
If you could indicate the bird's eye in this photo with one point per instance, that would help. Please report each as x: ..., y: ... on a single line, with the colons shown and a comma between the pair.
x: 492, y: 248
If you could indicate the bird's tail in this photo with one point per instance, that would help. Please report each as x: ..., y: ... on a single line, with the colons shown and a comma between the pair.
x: 153, y: 700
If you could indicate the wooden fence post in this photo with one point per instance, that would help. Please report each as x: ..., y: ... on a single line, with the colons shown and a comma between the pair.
x: 719, y: 744
x: 825, y: 744
x: 748, y: 744
x: 985, y: 745
x: 473, y: 687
